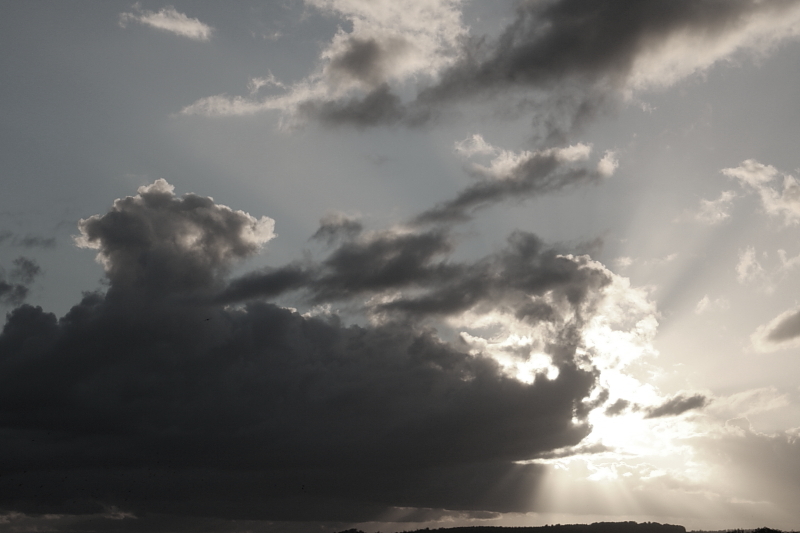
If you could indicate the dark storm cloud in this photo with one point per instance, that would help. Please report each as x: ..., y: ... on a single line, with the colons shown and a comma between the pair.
x: 14, y: 289
x: 262, y: 407
x: 676, y: 405
x: 541, y: 173
x: 156, y: 398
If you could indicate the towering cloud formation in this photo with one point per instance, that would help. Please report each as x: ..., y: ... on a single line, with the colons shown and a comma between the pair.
x: 159, y: 244
x: 158, y: 397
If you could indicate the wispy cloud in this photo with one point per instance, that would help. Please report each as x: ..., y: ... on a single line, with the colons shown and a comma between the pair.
x: 14, y: 288
x: 707, y: 304
x: 781, y: 200
x: 748, y: 268
x: 168, y: 19
x: 716, y: 211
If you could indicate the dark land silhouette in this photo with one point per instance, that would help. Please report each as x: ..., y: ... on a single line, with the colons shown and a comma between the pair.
x: 597, y: 527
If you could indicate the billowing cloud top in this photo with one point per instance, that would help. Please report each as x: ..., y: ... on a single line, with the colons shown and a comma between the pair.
x: 156, y: 241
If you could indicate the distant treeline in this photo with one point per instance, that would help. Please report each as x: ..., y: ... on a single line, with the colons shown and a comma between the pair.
x: 597, y: 527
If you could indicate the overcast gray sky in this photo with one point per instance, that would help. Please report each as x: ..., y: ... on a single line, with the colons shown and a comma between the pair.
x: 346, y: 263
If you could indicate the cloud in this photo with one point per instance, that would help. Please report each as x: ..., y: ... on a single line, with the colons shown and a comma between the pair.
x: 617, y: 407
x: 780, y: 332
x: 15, y: 288
x: 677, y: 405
x: 269, y: 80
x: 777, y: 202
x: 27, y: 241
x: 379, y: 106
x: 260, y: 403
x: 614, y: 44
x: 563, y: 61
x: 167, y: 394
x: 748, y: 269
x: 157, y: 242
x: 716, y: 211
x: 623, y: 261
x: 390, y: 44
x: 168, y: 19
x: 750, y: 402
x: 517, y: 175
x: 335, y: 226
x: 609, y: 164
x: 706, y: 304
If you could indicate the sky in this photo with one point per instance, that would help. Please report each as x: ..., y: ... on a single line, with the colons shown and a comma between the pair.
x: 310, y: 265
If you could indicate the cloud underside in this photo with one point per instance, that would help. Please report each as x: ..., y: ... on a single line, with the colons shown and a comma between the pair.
x: 563, y: 61
x: 159, y: 396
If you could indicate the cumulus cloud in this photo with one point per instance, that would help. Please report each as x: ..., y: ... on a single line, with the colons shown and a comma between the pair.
x: 14, y: 287
x: 608, y: 164
x: 781, y: 201
x: 158, y: 242
x: 179, y: 391
x: 168, y: 19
